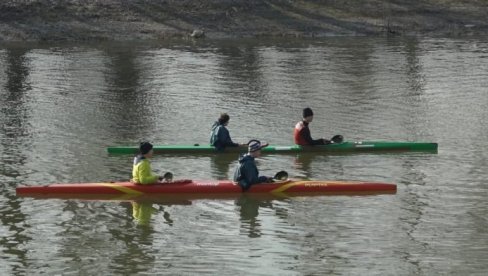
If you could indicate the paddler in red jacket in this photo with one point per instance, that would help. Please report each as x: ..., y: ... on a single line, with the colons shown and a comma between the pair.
x: 302, y: 132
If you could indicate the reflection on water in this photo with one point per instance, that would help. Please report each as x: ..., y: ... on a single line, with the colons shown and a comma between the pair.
x: 302, y: 163
x: 15, y: 114
x: 61, y: 105
x: 143, y: 211
x: 248, y: 205
x: 221, y: 165
x: 249, y: 210
x: 122, y: 74
x: 14, y: 125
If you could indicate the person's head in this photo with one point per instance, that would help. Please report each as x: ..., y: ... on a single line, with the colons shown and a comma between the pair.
x: 254, y: 147
x: 308, y: 115
x: 146, y: 149
x: 224, y: 119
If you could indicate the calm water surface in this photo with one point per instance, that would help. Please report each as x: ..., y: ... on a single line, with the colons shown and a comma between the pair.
x: 62, y: 105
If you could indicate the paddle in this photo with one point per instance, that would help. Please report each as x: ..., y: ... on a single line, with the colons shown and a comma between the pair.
x: 167, y: 177
x: 337, y: 139
x: 281, y: 176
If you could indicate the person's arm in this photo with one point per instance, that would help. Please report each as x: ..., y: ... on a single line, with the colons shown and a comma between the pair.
x: 224, y: 138
x: 305, y: 133
x: 264, y: 179
x: 320, y: 141
x: 145, y: 174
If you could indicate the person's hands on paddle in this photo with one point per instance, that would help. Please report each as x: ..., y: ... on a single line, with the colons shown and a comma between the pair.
x: 326, y: 142
x: 280, y: 176
x: 336, y: 139
x: 167, y: 177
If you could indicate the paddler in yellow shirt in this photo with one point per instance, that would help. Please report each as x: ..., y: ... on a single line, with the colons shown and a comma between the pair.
x: 141, y: 171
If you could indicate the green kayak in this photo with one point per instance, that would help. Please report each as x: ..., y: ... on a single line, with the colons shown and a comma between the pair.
x: 359, y: 146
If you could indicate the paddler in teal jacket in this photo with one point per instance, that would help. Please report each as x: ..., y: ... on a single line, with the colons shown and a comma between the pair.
x: 246, y: 173
x: 219, y: 135
x: 141, y: 171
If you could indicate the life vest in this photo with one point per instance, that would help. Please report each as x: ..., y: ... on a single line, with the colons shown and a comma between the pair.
x: 299, y: 140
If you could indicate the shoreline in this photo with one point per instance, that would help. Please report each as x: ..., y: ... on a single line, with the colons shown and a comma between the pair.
x: 133, y: 20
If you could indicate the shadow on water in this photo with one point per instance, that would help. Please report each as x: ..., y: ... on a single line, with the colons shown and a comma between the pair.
x: 15, y: 127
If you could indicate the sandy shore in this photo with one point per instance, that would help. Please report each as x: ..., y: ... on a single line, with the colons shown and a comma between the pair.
x: 82, y: 20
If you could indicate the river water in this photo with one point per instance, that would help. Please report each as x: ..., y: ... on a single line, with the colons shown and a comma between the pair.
x: 61, y: 105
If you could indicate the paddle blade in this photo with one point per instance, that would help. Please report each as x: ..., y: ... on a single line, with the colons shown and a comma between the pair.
x: 337, y: 139
x: 281, y: 175
x: 168, y: 177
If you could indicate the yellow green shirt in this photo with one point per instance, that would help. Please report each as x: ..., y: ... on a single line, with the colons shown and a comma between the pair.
x: 142, y: 173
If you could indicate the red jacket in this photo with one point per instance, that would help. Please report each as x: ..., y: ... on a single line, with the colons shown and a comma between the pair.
x: 302, y: 135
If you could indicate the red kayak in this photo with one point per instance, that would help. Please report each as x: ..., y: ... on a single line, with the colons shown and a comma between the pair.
x: 202, y: 189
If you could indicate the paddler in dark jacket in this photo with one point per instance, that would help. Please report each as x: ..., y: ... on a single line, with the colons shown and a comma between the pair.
x: 246, y: 173
x: 219, y: 136
x: 302, y: 134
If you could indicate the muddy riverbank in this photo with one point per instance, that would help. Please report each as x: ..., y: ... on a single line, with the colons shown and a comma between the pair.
x: 78, y: 20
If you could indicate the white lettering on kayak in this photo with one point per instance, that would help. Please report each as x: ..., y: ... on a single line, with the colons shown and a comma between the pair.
x: 364, y: 146
x: 316, y: 184
x: 206, y: 184
x: 282, y: 148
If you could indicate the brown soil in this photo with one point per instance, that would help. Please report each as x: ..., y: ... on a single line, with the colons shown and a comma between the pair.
x: 79, y: 20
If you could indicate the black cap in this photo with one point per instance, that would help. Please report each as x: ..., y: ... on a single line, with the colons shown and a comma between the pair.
x: 145, y: 147
x: 307, y: 112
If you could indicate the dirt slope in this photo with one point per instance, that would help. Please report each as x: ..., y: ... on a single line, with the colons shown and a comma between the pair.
x: 161, y: 19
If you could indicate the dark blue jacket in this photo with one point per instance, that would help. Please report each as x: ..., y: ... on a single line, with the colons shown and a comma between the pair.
x: 220, y: 137
x: 246, y: 173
